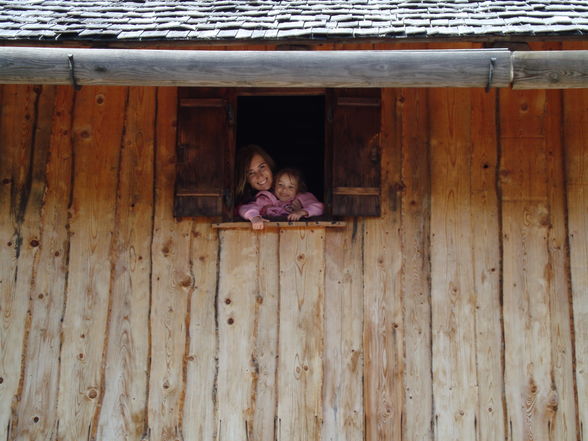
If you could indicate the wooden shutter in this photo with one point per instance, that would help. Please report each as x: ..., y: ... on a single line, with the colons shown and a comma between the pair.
x: 355, y: 138
x: 204, y: 156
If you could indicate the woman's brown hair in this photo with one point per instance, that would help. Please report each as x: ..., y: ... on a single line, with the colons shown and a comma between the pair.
x: 243, y: 191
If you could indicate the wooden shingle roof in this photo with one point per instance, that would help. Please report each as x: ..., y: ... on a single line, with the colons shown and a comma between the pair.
x: 222, y: 20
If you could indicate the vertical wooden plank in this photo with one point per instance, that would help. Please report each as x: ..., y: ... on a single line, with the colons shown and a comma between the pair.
x: 97, y: 131
x: 37, y: 408
x: 484, y: 215
x: 562, y: 406
x: 265, y: 349
x: 172, y: 285
x: 16, y: 143
x: 199, y: 418
x: 122, y: 415
x: 300, y: 369
x: 237, y: 298
x: 413, y: 137
x: 343, y: 413
x: 383, y: 331
x: 452, y: 284
x: 576, y: 157
x: 526, y: 220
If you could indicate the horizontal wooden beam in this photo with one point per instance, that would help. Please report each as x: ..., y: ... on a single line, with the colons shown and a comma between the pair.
x: 406, y: 68
x: 550, y: 69
x: 125, y: 67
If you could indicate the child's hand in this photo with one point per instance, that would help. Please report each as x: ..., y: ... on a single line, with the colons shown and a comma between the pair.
x: 257, y: 222
x: 298, y: 214
x: 296, y: 205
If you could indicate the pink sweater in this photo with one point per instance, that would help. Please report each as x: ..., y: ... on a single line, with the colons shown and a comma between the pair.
x: 266, y: 204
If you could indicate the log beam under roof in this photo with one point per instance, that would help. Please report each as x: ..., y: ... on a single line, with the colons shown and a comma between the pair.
x: 399, y: 68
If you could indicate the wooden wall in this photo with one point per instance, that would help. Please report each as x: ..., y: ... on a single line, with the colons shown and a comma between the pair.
x: 460, y: 314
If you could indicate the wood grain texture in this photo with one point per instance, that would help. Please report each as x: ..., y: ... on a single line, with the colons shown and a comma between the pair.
x: 575, y: 138
x: 301, y: 334
x: 383, y: 330
x: 452, y: 273
x: 562, y: 407
x: 37, y: 408
x: 485, y: 223
x: 265, y: 349
x: 19, y: 108
x: 123, y: 414
x: 172, y: 285
x: 199, y: 412
x: 529, y: 387
x: 550, y: 69
x: 415, y: 192
x: 259, y: 68
x: 97, y: 131
x: 343, y: 412
x: 28, y: 221
x: 237, y: 299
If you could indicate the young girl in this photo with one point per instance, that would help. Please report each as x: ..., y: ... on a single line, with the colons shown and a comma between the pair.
x: 289, y: 198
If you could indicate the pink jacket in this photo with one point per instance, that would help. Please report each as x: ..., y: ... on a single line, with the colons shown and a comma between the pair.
x: 266, y: 204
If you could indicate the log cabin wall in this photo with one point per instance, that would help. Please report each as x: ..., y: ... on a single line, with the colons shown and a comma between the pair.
x: 459, y: 314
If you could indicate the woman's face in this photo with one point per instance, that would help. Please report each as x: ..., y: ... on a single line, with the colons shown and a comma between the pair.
x: 259, y: 174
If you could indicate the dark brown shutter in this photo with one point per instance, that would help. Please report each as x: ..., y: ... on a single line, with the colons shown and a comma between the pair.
x: 355, y: 137
x: 204, y: 159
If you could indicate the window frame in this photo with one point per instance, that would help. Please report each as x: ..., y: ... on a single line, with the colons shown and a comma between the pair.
x: 187, y: 205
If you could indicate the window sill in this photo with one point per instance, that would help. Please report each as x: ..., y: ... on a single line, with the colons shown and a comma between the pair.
x: 280, y: 224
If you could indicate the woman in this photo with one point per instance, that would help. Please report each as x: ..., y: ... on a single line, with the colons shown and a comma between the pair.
x: 255, y: 172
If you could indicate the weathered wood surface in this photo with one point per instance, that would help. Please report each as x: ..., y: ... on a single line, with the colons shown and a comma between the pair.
x: 301, y: 334
x: 453, y: 315
x: 237, y: 299
x: 538, y: 372
x: 485, y: 224
x: 468, y: 294
x: 97, y: 134
x: 383, y: 330
x: 125, y: 376
x: 16, y: 129
x: 412, y: 197
x: 343, y: 405
x: 172, y: 286
x: 575, y: 139
x: 126, y: 67
x: 550, y: 69
x: 37, y: 408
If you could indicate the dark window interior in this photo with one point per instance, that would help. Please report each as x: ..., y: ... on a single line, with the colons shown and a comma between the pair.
x: 291, y: 129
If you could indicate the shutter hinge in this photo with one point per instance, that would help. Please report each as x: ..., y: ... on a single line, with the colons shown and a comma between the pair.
x: 230, y: 113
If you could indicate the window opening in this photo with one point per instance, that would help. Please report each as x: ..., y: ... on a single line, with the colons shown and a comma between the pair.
x: 291, y: 129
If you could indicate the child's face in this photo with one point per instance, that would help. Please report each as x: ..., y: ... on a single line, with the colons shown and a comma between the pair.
x: 286, y: 188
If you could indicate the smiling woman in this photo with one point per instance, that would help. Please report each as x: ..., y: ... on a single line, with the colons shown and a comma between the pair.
x: 254, y: 172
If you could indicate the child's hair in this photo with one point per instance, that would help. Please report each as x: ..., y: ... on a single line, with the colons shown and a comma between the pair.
x: 294, y: 173
x: 243, y: 191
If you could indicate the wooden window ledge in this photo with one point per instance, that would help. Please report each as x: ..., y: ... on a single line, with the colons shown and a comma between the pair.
x: 281, y: 224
